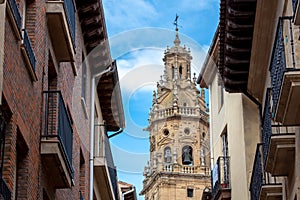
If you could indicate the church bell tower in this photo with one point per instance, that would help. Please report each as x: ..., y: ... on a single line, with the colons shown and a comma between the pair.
x: 179, y: 135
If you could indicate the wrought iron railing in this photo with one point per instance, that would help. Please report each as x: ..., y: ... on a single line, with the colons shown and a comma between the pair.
x: 278, y: 65
x: 269, y: 129
x: 81, y: 195
x: 58, y: 124
x: 266, y: 126
x: 4, y: 190
x: 294, y: 4
x: 28, y: 47
x: 220, y: 176
x: 105, y: 151
x: 259, y: 177
x: 16, y: 13
x: 71, y: 15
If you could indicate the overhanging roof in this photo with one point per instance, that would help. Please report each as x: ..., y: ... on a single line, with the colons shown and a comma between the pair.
x: 235, y: 31
x: 91, y: 17
x: 109, y: 94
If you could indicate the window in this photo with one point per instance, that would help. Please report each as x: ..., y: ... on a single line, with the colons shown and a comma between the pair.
x: 83, y: 78
x: 220, y: 93
x: 187, y: 155
x: 180, y: 71
x: 22, y: 164
x: 173, y: 72
x: 167, y: 155
x: 225, y: 144
x: 82, y: 174
x: 166, y: 132
x: 52, y: 75
x: 187, y: 131
x: 190, y: 192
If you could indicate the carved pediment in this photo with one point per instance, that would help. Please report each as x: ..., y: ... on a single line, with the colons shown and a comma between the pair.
x: 188, y: 140
x: 165, y: 141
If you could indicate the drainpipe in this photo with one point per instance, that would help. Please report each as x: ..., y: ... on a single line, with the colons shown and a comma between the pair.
x: 92, y: 136
x: 132, y: 190
x: 116, y: 133
x: 210, y: 132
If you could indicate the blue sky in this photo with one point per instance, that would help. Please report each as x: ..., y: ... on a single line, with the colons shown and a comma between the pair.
x: 139, y: 31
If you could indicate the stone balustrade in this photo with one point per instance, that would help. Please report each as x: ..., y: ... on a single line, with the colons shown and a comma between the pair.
x: 185, y: 169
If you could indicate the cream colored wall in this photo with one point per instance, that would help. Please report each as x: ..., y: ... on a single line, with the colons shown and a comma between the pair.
x: 241, y: 117
x: 171, y: 189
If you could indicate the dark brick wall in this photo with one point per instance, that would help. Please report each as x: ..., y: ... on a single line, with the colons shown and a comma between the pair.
x: 24, y: 98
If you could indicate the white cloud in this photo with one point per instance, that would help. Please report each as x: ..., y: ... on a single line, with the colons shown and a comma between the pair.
x: 140, y: 69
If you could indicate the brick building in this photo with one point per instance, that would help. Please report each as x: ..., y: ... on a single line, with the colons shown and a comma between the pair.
x: 46, y: 113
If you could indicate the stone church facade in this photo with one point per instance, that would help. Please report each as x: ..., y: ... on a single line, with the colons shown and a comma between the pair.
x: 179, y: 133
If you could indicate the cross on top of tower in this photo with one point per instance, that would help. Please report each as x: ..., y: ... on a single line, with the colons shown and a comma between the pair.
x: 176, y: 22
x: 176, y: 41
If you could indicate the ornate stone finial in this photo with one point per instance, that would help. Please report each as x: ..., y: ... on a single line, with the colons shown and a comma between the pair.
x: 161, y: 80
x: 177, y: 40
x: 154, y: 97
x: 194, y: 78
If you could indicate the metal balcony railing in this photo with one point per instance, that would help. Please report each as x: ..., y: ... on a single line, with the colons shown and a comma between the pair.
x: 220, y: 176
x: 4, y: 190
x: 111, y: 167
x: 71, y: 15
x: 269, y: 129
x: 28, y: 47
x: 16, y: 13
x: 259, y: 177
x: 282, y: 46
x: 294, y: 4
x: 81, y: 195
x: 58, y: 124
x: 266, y: 126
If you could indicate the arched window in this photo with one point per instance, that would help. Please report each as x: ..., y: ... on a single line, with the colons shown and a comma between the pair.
x: 187, y: 155
x: 180, y: 71
x: 173, y: 72
x: 167, y: 155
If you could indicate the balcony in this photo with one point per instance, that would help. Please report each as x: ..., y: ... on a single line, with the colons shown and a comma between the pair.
x: 184, y: 169
x: 164, y: 113
x: 278, y: 144
x: 263, y: 186
x: 5, y: 193
x: 57, y: 140
x: 105, y: 170
x: 61, y: 24
x: 28, y: 54
x: 285, y: 75
x: 14, y: 14
x: 221, y: 188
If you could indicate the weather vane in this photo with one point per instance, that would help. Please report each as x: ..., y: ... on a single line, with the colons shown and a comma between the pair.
x: 176, y: 22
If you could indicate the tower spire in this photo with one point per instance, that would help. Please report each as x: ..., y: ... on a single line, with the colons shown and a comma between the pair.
x: 177, y: 40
